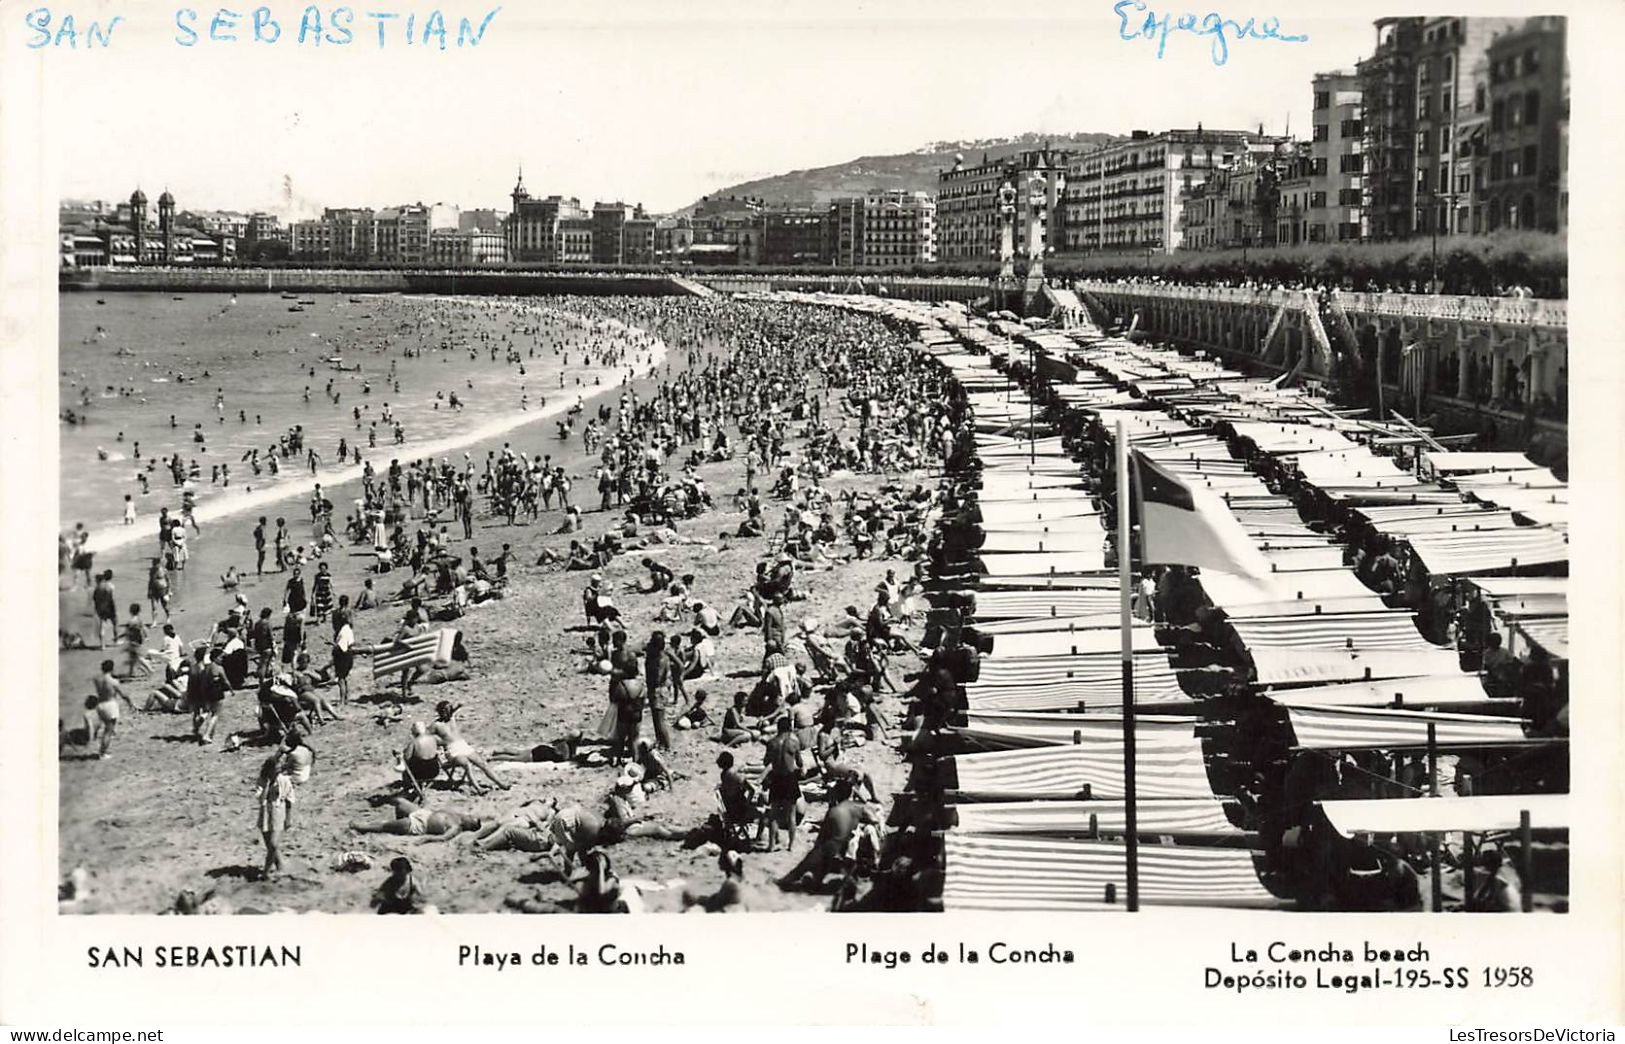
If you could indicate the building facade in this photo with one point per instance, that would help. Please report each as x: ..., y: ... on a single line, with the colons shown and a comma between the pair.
x: 967, y: 219
x: 798, y: 236
x: 899, y: 228
x: 1130, y: 195
x: 130, y: 234
x: 1526, y: 176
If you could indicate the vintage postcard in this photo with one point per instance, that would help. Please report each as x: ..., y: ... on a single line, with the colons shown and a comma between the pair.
x: 1077, y: 511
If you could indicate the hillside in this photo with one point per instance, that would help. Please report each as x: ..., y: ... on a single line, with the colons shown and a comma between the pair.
x: 911, y: 171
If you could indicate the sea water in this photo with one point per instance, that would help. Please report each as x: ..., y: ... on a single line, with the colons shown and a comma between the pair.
x: 129, y: 362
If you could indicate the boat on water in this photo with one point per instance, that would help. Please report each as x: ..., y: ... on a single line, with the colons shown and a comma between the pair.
x: 286, y: 296
x: 296, y: 308
x: 358, y: 300
x: 101, y: 300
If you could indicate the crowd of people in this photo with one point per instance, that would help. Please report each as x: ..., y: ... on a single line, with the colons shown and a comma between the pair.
x: 804, y: 400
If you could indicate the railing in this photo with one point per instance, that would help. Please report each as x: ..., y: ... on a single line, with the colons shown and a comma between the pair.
x: 1518, y: 311
x: 1515, y: 311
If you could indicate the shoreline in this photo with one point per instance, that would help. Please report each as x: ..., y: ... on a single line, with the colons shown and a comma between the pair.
x: 113, y: 536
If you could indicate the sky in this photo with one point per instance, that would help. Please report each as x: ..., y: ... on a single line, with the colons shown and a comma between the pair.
x: 637, y: 100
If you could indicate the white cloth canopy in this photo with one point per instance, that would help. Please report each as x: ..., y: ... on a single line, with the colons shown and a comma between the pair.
x: 1462, y: 554
x: 1453, y: 691
x: 1478, y: 814
x: 1007, y: 542
x: 1038, y: 563
x: 1006, y: 605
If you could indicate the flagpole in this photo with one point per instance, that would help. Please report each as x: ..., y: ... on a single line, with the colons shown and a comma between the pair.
x: 1131, y: 837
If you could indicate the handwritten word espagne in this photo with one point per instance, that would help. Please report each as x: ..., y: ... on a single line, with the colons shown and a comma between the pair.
x: 1219, y: 29
x: 336, y: 27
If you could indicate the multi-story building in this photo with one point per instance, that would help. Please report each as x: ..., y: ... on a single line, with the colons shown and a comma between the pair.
x: 128, y: 236
x: 1388, y: 121
x: 638, y: 239
x: 454, y: 248
x: 1415, y: 120
x: 846, y: 232
x: 1129, y: 195
x: 968, y: 204
x: 899, y: 228
x: 1235, y: 207
x: 573, y: 241
x: 673, y: 238
x: 732, y: 221
x: 263, y: 226
x: 533, y: 230
x: 608, y: 221
x: 311, y: 240
x: 1528, y: 102
x: 798, y: 236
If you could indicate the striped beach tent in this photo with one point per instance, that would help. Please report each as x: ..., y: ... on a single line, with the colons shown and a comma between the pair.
x: 1093, y: 692
x: 996, y: 872
x: 1360, y: 728
x: 418, y: 651
x: 1015, y: 605
x: 1170, y: 771
x: 1394, y: 629
x: 1176, y: 817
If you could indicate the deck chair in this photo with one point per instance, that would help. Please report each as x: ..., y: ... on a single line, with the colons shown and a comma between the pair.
x: 828, y: 667
x: 736, y: 833
x: 775, y: 544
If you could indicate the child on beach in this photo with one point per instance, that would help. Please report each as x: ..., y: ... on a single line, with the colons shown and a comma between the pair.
x: 129, y: 510
x: 135, y: 637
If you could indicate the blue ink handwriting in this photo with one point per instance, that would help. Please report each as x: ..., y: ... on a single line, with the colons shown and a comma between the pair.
x: 338, y: 26
x: 1214, y: 26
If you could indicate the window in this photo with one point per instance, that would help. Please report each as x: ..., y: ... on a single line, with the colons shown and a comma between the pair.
x: 1531, y: 61
x: 1529, y: 157
x: 1349, y: 163
x: 1495, y: 167
x: 1424, y: 72
x: 1423, y: 143
x: 1514, y: 164
x: 1323, y: 99
x: 1319, y: 167
x: 1444, y: 103
x: 1320, y: 131
x: 1424, y: 107
x: 1444, y: 180
x: 1317, y: 199
x: 1464, y: 183
x: 1498, y: 115
x: 1515, y: 110
x: 1531, y: 107
x: 1478, y: 98
x: 1350, y: 128
x: 1349, y: 197
x: 1449, y: 68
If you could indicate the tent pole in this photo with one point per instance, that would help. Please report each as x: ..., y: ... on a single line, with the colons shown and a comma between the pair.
x: 1433, y: 791
x: 1131, y: 836
x: 1526, y: 862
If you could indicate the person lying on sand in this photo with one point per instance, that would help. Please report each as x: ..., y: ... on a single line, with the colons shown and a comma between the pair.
x: 413, y: 820
x: 566, y: 749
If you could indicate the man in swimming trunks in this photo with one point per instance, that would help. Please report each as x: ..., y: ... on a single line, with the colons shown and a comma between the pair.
x: 103, y: 713
x: 413, y: 820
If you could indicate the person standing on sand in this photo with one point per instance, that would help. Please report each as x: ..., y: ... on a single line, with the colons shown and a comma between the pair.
x: 259, y: 547
x: 280, y: 777
x: 105, y: 603
x: 280, y: 542
x: 104, y: 708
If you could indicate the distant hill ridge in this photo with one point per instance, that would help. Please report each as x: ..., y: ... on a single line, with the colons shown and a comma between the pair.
x: 914, y: 171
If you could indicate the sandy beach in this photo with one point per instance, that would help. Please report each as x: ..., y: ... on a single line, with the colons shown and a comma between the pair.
x: 164, y: 814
